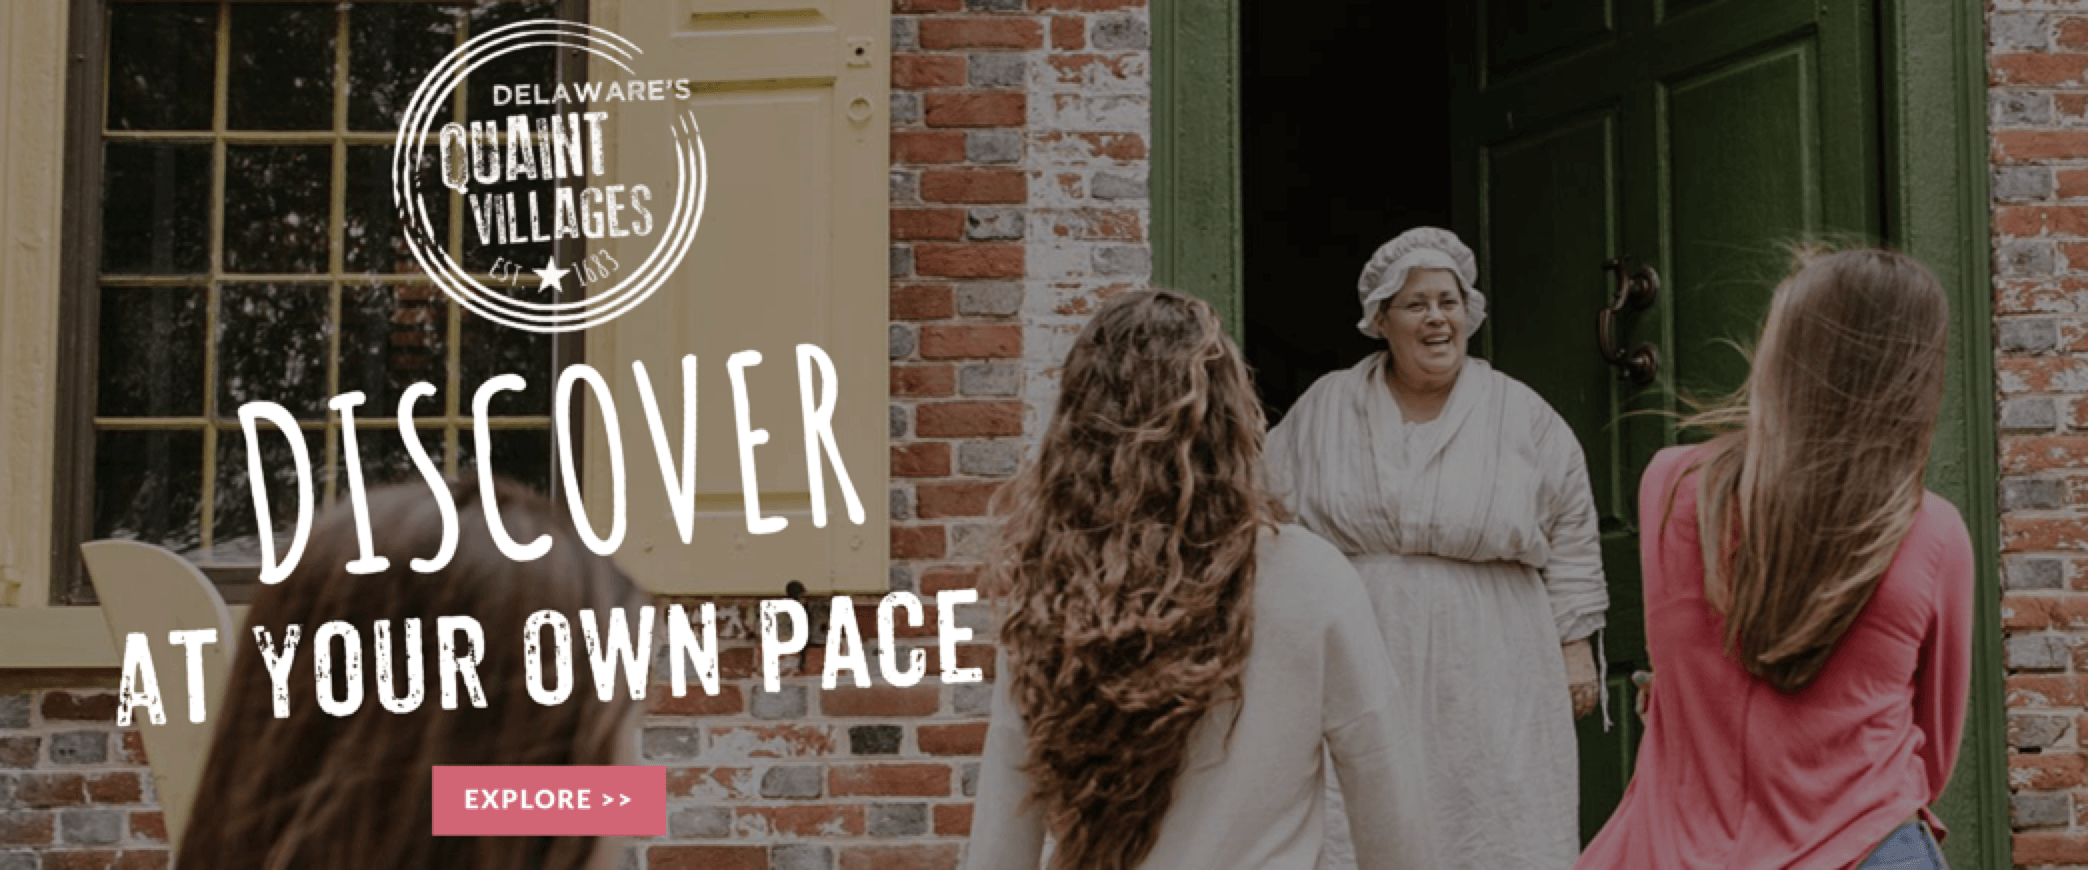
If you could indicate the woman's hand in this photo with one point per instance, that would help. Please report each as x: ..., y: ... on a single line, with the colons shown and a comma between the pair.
x: 1581, y: 677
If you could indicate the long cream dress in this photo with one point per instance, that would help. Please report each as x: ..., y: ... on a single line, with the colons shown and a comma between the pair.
x: 1475, y: 537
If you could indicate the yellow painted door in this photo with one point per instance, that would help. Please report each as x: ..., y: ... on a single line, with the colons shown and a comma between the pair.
x: 791, y: 97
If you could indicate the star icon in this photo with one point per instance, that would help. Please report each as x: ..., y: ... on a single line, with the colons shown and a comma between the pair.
x: 551, y: 275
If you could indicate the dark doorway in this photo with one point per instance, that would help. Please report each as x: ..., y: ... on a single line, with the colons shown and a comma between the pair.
x: 1346, y: 143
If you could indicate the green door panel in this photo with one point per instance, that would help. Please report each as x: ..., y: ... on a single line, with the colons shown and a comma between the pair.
x: 1704, y: 139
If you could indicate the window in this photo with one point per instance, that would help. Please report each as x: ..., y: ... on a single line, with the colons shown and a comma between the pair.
x: 249, y: 250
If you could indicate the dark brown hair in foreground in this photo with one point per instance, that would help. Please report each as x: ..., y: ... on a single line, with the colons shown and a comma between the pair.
x: 1126, y: 569
x: 319, y: 791
x: 1819, y: 473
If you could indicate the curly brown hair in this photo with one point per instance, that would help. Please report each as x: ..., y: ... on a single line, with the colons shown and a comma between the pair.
x: 1125, y: 570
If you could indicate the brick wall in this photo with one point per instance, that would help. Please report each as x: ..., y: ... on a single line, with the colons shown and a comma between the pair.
x: 74, y: 789
x: 1018, y: 190
x: 2037, y: 54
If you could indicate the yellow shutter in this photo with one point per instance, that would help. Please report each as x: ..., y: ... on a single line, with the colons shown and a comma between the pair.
x: 792, y: 98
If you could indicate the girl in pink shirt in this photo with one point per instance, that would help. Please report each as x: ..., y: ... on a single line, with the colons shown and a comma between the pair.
x: 1812, y: 682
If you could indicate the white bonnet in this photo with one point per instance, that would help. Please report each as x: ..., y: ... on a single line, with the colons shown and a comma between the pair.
x: 1419, y: 248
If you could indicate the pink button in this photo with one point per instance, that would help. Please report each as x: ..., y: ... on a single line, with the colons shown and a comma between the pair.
x: 550, y: 801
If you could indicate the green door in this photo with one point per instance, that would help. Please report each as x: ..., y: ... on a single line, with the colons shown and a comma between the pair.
x: 1700, y: 138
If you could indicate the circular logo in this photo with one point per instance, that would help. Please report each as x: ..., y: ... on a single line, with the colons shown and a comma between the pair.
x: 531, y: 175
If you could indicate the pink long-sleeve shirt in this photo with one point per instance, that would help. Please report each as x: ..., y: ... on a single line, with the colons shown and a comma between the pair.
x: 1733, y: 774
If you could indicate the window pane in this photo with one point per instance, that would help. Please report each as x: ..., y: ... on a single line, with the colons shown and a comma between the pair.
x: 155, y: 208
x: 522, y: 455
x: 276, y: 208
x: 391, y: 48
x: 372, y: 233
x: 272, y: 347
x: 233, y: 539
x: 148, y: 487
x: 521, y: 67
x: 384, y: 459
x: 491, y: 349
x: 161, y: 63
x: 392, y: 337
x: 282, y: 75
x: 151, y: 352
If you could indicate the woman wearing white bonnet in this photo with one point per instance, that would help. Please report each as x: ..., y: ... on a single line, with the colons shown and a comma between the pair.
x: 1462, y: 499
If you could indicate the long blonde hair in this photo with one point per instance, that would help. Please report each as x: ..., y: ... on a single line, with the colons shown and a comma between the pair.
x: 1126, y: 569
x: 1804, y: 500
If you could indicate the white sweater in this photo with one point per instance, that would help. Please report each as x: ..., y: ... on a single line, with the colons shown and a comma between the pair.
x: 1317, y: 684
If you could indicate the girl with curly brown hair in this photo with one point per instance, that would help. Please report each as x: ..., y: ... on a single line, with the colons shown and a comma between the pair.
x: 1176, y: 661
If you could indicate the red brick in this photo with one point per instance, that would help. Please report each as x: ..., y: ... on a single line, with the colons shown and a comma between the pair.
x: 2023, y: 221
x: 2023, y: 612
x: 969, y: 261
x: 953, y: 820
x: 2070, y: 106
x: 928, y: 223
x: 773, y: 741
x: 916, y: 71
x: 966, y: 739
x: 2071, y: 33
x: 798, y: 821
x: 80, y: 707
x: 696, y: 702
x: 91, y: 859
x: 2049, y: 847
x: 936, y: 580
x: 971, y: 341
x: 995, y: 32
x: 945, y: 500
x: 973, y: 187
x: 978, y: 656
x: 924, y: 382
x: 2073, y: 183
x: 1087, y: 69
x: 131, y: 749
x: 922, y: 301
x: 1068, y: 32
x: 115, y: 788
x: 2041, y: 68
x: 866, y: 617
x: 2016, y: 146
x: 2021, y: 534
x: 1097, y: 146
x: 918, y: 542
x: 1084, y: 5
x: 149, y: 826
x: 712, y: 784
x: 26, y: 829
x: 921, y: 460
x: 971, y: 420
x: 2028, y: 454
x: 19, y: 752
x: 707, y: 858
x: 923, y: 856
x: 2046, y: 691
x: 40, y: 790
x: 736, y: 663
x: 981, y: 109
x: 2043, y: 374
x: 1097, y: 224
x: 920, y: 700
x: 932, y: 146
x: 149, y: 859
x: 2048, y: 772
x: 889, y: 780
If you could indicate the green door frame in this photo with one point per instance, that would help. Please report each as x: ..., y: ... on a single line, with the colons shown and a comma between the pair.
x: 1933, y: 79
